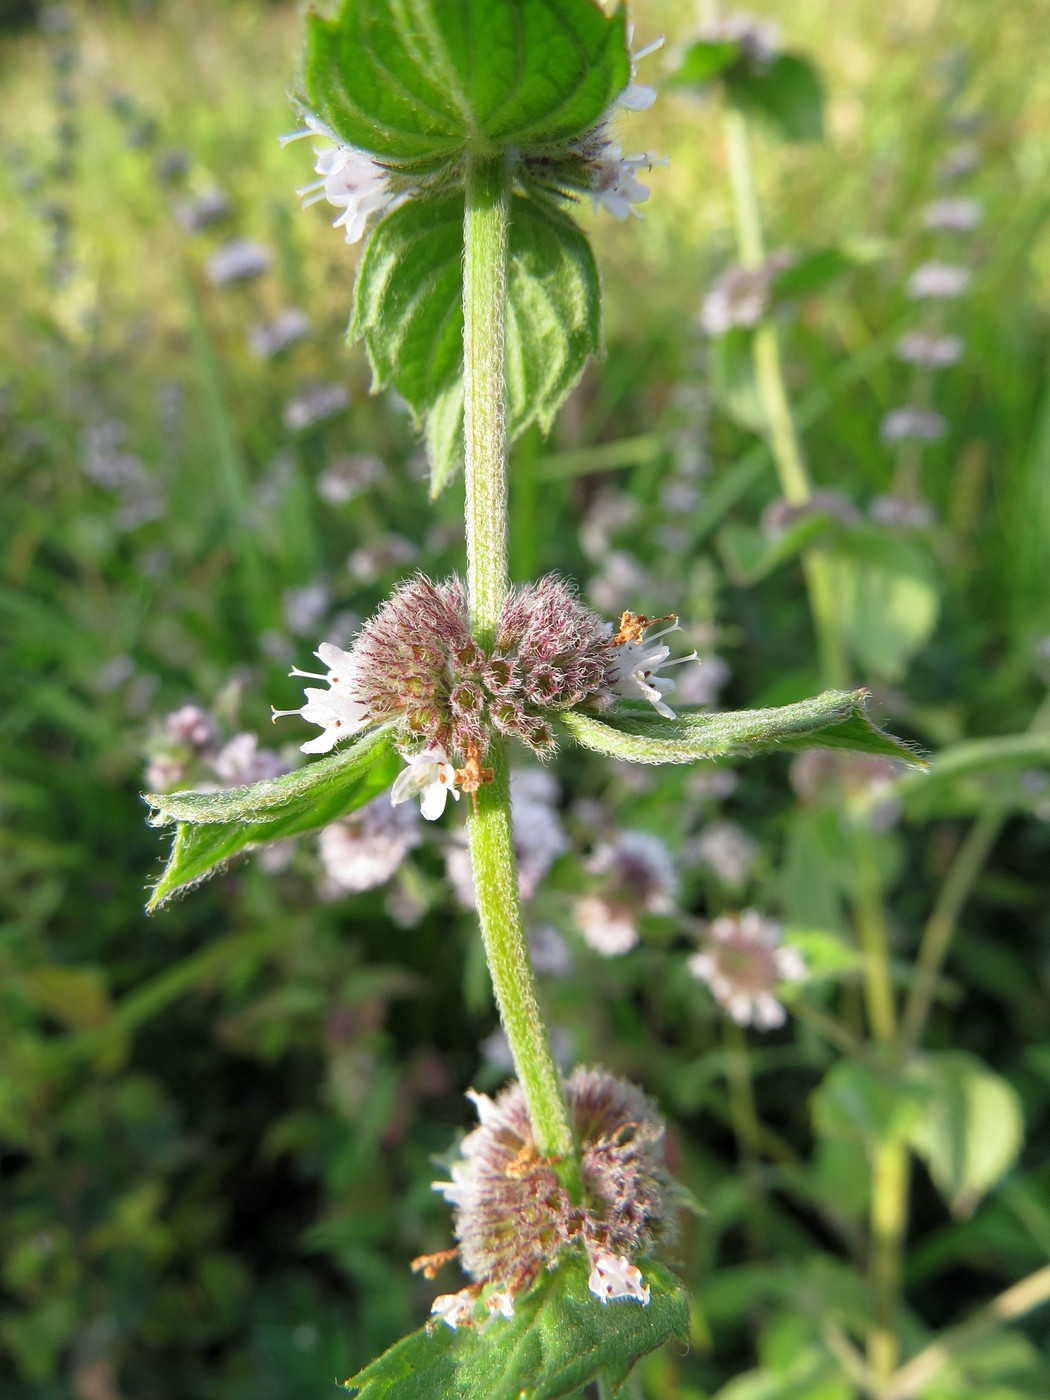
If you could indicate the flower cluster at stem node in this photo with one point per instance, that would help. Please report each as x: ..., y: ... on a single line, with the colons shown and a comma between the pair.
x: 514, y: 1218
x: 365, y: 189
x: 415, y: 664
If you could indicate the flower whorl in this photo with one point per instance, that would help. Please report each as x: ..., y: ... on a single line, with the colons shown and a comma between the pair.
x: 415, y: 662
x: 513, y: 1217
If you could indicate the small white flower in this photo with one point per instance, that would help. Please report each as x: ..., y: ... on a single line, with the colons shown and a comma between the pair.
x: 364, y: 850
x: 430, y: 777
x: 237, y: 261
x: 912, y: 425
x: 937, y: 281
x: 634, y: 672
x: 336, y: 710
x: 637, y: 97
x: 607, y: 926
x: 759, y: 41
x: 272, y: 337
x: 907, y: 514
x: 349, y: 179
x: 726, y: 850
x: 743, y: 963
x: 613, y: 1277
x: 455, y: 1309
x: 930, y: 351
x: 501, y: 1302
x: 313, y: 405
x: 241, y: 762
x: 954, y: 215
x: 614, y: 185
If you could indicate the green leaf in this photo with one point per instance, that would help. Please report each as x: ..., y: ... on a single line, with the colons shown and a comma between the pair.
x: 857, y: 1102
x: 749, y: 556
x: 960, y: 774
x: 77, y: 997
x: 417, y: 82
x: 811, y: 273
x: 408, y: 308
x: 706, y: 60
x: 732, y: 368
x: 559, y: 1338
x: 835, y: 720
x: 971, y: 1130
x: 444, y: 436
x: 888, y: 598
x: 828, y: 956
x: 962, y: 1120
x: 210, y: 827
x: 787, y: 95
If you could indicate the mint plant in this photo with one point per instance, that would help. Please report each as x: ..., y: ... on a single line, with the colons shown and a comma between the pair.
x: 459, y: 140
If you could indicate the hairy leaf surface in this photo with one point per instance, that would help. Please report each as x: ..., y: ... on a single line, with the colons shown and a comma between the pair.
x: 408, y: 308
x: 559, y: 1338
x: 836, y: 719
x: 210, y: 827
x: 418, y: 82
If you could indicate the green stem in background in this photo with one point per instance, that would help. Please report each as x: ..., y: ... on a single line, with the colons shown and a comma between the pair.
x: 940, y: 927
x: 834, y: 1031
x: 746, y: 1126
x: 871, y: 921
x: 783, y: 438
x: 890, y: 1164
x: 889, y: 1218
x: 912, y: 1378
x: 489, y: 824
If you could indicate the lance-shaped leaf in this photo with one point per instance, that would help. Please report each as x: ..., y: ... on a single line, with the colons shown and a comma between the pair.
x: 408, y: 306
x: 417, y: 82
x: 837, y: 719
x: 559, y: 1338
x: 210, y: 827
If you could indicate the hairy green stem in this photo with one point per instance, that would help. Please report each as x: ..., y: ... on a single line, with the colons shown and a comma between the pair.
x: 489, y: 823
x: 485, y: 236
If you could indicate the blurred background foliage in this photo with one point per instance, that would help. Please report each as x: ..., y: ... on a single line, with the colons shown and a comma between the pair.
x: 218, y: 1127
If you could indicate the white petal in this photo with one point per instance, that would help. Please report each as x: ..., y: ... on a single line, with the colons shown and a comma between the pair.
x: 769, y: 1014
x: 637, y: 97
x: 322, y: 744
x: 613, y: 1277
x: 455, y: 1309
x: 742, y: 1009
x: 406, y: 786
x: 702, y: 966
x: 435, y: 795
x: 340, y: 663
